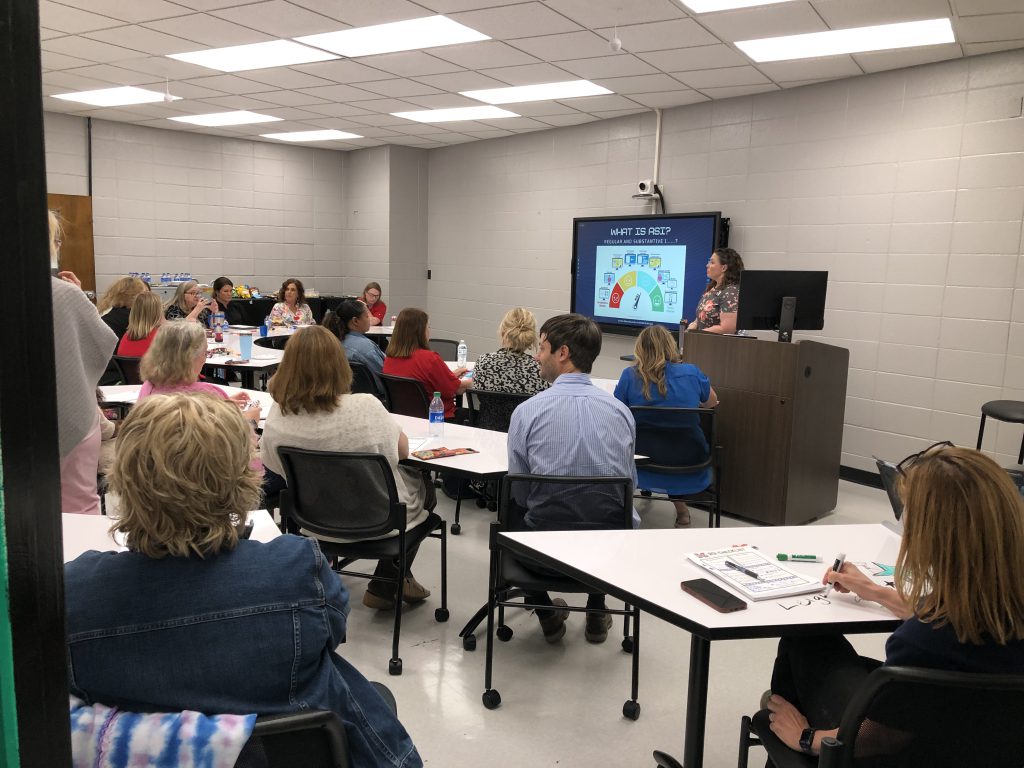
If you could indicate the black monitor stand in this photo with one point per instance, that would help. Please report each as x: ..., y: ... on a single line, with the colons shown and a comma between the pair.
x: 786, y: 318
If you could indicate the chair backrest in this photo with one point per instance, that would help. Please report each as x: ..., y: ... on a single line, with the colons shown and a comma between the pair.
x: 904, y: 716
x: 365, y: 381
x: 446, y: 348
x: 675, y: 440
x: 493, y: 410
x: 406, y: 396
x: 297, y: 740
x: 562, y: 503
x: 128, y: 367
x: 272, y: 342
x: 342, y: 495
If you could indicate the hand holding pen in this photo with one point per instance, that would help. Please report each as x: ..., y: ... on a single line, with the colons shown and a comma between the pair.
x: 837, y: 568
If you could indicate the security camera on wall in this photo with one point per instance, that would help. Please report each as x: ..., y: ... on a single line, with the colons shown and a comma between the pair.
x: 645, y: 187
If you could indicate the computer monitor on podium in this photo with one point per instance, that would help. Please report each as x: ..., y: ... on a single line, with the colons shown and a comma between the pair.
x: 782, y: 300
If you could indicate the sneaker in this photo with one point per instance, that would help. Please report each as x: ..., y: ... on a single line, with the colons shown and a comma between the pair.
x: 764, y: 698
x: 598, y: 625
x: 413, y: 591
x: 377, y: 602
x: 554, y: 625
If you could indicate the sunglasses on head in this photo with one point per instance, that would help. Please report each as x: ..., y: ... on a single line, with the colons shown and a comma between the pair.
x: 908, y: 462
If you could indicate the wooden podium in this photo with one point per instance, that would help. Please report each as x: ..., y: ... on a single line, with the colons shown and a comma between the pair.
x: 780, y: 423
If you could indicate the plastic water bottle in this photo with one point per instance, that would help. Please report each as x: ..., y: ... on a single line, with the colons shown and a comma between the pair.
x: 463, y: 353
x: 266, y: 326
x: 436, y: 416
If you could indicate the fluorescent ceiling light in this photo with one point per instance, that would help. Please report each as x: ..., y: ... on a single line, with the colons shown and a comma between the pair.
x: 235, y: 58
x: 708, y: 6
x: 568, y: 89
x: 883, y: 37
x: 457, y: 113
x: 311, y: 136
x: 239, y: 117
x: 411, y: 35
x: 116, y: 97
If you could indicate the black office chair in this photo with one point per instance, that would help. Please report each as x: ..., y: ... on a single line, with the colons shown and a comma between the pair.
x: 904, y: 717
x: 406, y: 396
x: 682, y: 441
x: 271, y: 342
x: 365, y: 381
x: 493, y: 410
x: 128, y: 368
x: 1011, y: 411
x: 610, y: 501
x: 446, y: 348
x: 353, y: 496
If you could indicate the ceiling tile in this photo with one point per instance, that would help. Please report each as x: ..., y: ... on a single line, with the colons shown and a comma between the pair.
x: 408, y: 63
x: 386, y: 105
x: 54, y: 61
x: 720, y: 78
x: 278, y: 18
x: 48, y: 34
x: 513, y: 21
x: 732, y: 91
x: 343, y: 71
x: 514, y: 123
x: 571, y: 45
x: 332, y: 109
x: 161, y: 66
x: 528, y: 75
x: 600, y: 103
x: 865, y: 13
x: 286, y: 77
x: 236, y: 102
x: 206, y: 30
x: 627, y: 86
x: 290, y: 98
x: 978, y: 7
x: 399, y: 88
x: 67, y: 81
x: 703, y: 57
x: 461, y: 81
x: 986, y: 29
x: 792, y: 18
x: 910, y: 57
x: 338, y: 93
x: 295, y: 113
x: 669, y: 98
x: 92, y: 50
x: 595, y: 14
x: 974, y: 49
x: 540, y: 109
x: 116, y: 75
x: 141, y: 39
x: 376, y: 119
x: 64, y: 18
x: 661, y: 36
x: 190, y: 91
x: 618, y: 65
x: 137, y: 10
x: 560, y: 120
x: 209, y: 5
x: 491, y: 53
x: 360, y: 13
x: 228, y: 84
x: 808, y: 69
x: 445, y: 101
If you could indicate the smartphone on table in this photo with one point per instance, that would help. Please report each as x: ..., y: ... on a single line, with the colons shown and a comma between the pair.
x: 713, y: 595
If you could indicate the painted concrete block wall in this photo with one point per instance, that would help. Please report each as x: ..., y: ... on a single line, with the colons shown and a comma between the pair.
x: 408, y: 204
x: 908, y: 186
x: 366, y: 237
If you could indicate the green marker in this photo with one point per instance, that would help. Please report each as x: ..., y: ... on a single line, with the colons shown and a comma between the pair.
x: 799, y: 558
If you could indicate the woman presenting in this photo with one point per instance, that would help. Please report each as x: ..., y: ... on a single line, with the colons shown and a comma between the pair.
x: 716, y: 309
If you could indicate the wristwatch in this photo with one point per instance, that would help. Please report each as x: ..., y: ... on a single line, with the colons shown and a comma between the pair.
x: 807, y: 741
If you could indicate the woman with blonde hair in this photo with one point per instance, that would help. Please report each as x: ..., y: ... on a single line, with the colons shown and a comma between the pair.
x: 188, y: 303
x: 145, y: 320
x: 206, y: 619
x: 957, y: 585
x: 315, y: 409
x: 512, y: 367
x: 115, y: 305
x: 660, y: 378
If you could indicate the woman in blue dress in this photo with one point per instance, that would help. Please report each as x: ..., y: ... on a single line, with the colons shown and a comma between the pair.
x: 660, y: 378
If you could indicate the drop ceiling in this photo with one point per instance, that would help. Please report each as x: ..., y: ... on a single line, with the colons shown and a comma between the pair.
x: 670, y: 57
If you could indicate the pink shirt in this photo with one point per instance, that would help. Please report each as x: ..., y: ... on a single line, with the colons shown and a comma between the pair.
x: 196, y: 386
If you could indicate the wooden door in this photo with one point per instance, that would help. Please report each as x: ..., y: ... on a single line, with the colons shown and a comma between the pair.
x: 76, y: 252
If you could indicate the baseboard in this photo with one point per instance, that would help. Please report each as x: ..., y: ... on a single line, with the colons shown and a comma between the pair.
x: 860, y: 476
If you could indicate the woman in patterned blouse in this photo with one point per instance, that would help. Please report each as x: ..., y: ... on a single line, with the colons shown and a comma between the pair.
x: 512, y: 368
x: 716, y: 309
x: 291, y: 309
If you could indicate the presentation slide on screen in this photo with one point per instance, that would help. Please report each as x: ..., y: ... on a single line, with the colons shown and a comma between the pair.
x: 639, y: 282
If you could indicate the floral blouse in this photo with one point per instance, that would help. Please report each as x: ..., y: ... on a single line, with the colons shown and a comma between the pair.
x: 508, y: 371
x: 716, y: 301
x: 281, y: 315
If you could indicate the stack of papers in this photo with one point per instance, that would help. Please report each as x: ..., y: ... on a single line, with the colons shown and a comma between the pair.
x: 772, y: 579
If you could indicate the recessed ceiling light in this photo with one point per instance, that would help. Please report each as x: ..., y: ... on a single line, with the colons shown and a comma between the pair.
x: 709, y: 6
x: 116, y: 97
x: 568, y: 89
x: 456, y: 113
x: 311, y: 136
x: 908, y: 34
x: 235, y: 58
x: 239, y: 117
x: 410, y: 35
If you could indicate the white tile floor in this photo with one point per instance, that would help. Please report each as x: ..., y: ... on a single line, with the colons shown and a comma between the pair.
x: 562, y: 703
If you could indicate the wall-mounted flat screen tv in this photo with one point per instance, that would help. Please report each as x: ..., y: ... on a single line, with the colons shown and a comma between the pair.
x: 631, y: 271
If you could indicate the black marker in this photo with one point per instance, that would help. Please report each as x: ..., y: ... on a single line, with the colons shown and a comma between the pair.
x: 741, y: 569
x: 837, y: 566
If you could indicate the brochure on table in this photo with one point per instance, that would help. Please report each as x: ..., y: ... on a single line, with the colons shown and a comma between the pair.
x: 772, y: 580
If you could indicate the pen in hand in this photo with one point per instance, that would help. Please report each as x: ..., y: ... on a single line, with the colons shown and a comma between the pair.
x: 741, y: 569
x: 837, y: 566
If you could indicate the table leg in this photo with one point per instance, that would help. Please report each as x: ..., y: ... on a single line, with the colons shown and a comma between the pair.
x: 248, y: 378
x: 696, y: 702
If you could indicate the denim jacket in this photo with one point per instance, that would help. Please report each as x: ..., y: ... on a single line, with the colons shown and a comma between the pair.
x: 249, y: 630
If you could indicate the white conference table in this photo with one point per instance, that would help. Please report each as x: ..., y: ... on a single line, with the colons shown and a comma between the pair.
x: 82, y: 533
x: 491, y: 461
x: 644, y: 568
x: 262, y: 360
x: 128, y: 394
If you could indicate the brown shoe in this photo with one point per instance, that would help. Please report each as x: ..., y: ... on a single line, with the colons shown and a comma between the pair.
x: 413, y: 591
x: 377, y: 602
x: 597, y: 628
x: 554, y: 625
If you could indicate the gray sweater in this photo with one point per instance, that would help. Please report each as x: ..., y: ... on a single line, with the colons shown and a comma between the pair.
x: 82, y: 346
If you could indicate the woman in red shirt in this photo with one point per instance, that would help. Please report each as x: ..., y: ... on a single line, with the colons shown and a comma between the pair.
x: 143, y: 322
x: 371, y: 298
x: 409, y: 355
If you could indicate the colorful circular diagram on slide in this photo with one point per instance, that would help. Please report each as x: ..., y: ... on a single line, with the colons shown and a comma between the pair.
x: 639, y: 284
x: 643, y: 281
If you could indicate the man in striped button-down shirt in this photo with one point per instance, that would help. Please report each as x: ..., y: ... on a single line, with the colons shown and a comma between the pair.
x: 573, y: 428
